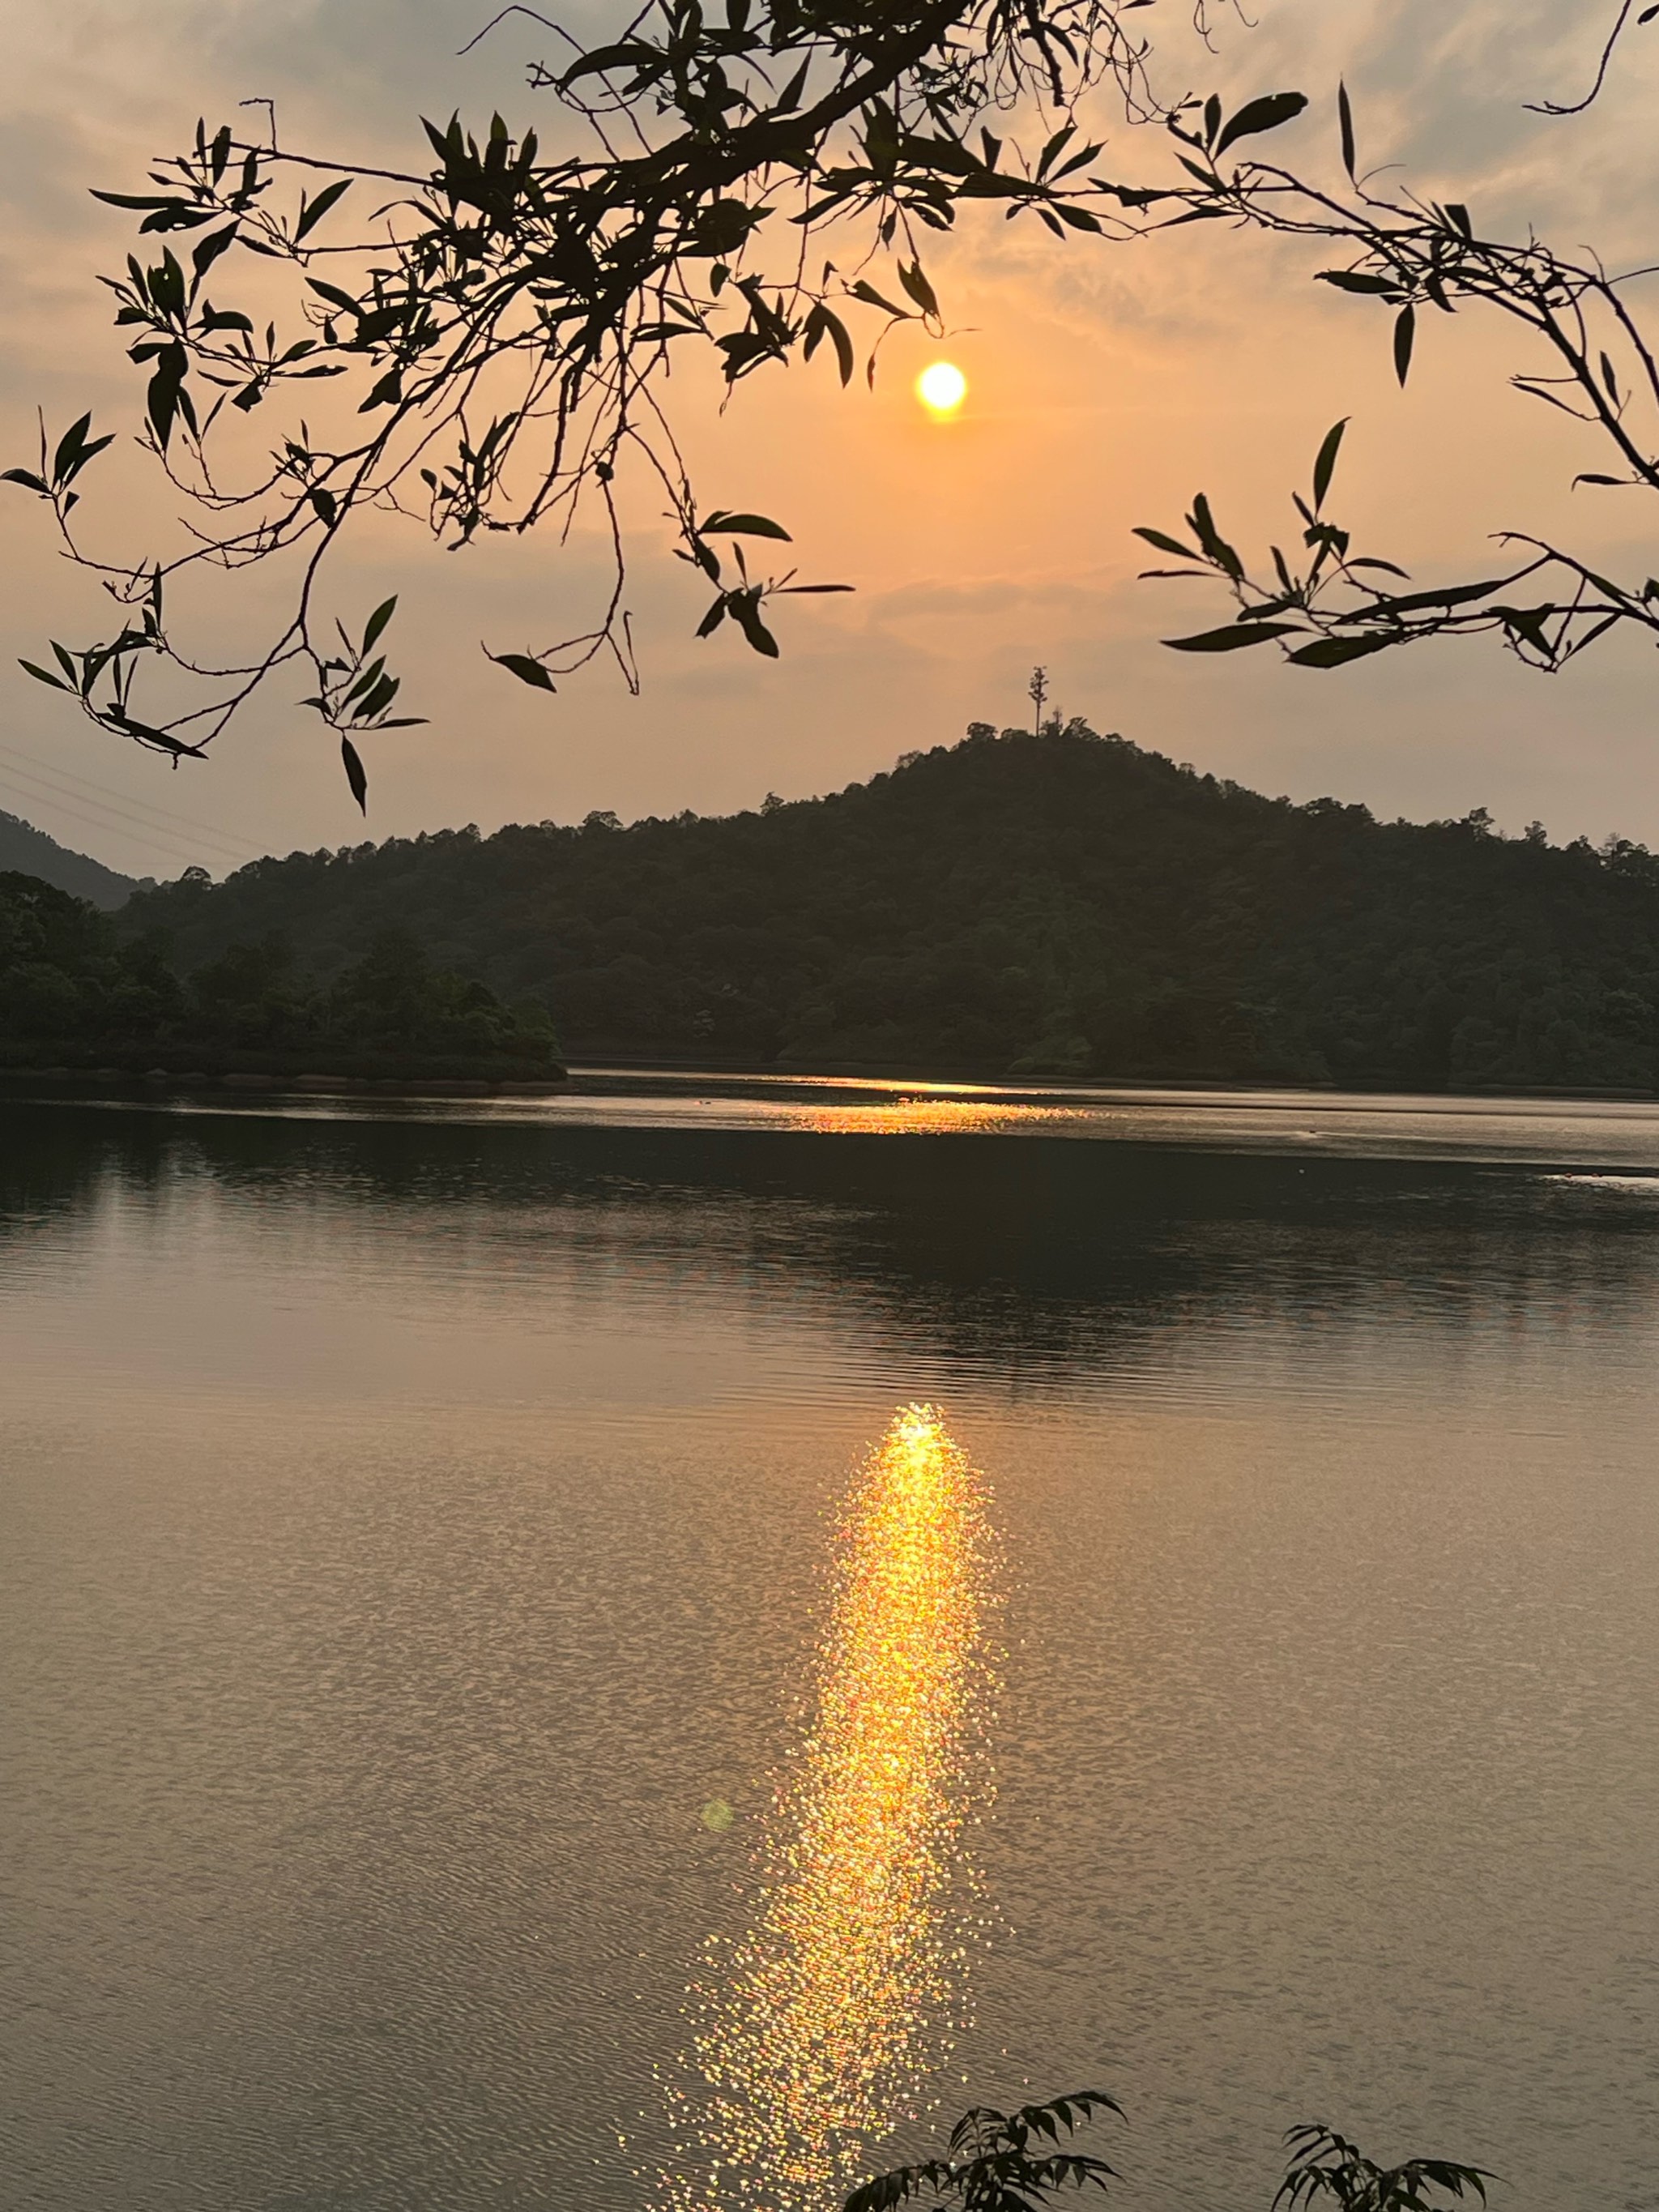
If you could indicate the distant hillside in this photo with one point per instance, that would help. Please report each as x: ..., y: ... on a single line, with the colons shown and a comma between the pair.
x: 30, y: 852
x: 1061, y: 904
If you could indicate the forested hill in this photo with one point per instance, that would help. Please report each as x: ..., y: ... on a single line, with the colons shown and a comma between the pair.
x: 1061, y: 904
x: 30, y: 852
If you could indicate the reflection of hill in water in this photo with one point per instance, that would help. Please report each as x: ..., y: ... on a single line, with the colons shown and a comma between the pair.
x: 1025, y: 1259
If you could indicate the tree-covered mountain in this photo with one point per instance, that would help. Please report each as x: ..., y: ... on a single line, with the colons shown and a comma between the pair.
x: 27, y: 851
x: 1056, y: 905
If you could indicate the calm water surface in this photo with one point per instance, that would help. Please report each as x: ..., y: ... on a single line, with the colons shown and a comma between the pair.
x: 413, y: 1520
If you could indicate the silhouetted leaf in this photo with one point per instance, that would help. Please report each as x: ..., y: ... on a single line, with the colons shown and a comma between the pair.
x: 1165, y: 543
x: 356, y: 775
x: 1405, y: 330
x: 1232, y: 638
x: 1355, y: 280
x: 916, y: 284
x: 527, y: 670
x: 313, y: 210
x: 1325, y: 461
x: 1266, y: 113
x: 1345, y: 118
x: 377, y: 621
x: 745, y: 526
x: 822, y: 322
x: 1332, y: 652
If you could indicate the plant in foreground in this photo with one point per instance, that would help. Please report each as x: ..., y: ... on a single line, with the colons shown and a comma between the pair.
x: 1011, y: 2161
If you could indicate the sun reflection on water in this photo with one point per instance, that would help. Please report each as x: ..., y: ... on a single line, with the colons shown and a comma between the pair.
x: 823, y: 2026
x: 930, y: 1116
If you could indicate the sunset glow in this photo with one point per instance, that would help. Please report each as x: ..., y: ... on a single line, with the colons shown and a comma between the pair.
x: 942, y: 387
x: 818, y: 2029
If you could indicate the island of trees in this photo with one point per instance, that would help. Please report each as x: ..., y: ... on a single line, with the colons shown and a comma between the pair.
x: 1033, y: 906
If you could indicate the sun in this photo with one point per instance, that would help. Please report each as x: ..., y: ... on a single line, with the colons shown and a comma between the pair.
x: 941, y: 388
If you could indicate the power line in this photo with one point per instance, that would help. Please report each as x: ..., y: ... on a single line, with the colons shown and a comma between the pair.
x: 102, y: 813
x: 76, y: 786
x: 107, y: 815
x: 140, y: 834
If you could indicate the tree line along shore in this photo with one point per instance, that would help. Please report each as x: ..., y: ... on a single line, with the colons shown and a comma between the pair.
x: 1048, y: 906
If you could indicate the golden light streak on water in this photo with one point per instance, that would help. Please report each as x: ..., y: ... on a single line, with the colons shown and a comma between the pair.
x: 933, y: 1117
x: 832, y: 2018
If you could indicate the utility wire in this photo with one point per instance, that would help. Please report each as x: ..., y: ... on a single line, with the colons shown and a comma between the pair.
x: 70, y: 786
x: 106, y: 816
x: 140, y: 834
x: 192, y: 839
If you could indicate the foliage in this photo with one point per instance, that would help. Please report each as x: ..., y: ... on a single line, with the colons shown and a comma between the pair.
x: 991, y: 2164
x: 75, y: 992
x: 1326, y: 605
x: 1324, y: 2164
x: 1053, y: 905
x: 504, y: 322
x: 992, y: 2167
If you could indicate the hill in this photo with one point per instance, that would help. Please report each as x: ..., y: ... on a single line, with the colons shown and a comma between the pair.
x: 27, y: 851
x: 1053, y: 904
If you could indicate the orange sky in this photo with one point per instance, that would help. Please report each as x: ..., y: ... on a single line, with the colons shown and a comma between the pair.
x: 1107, y: 385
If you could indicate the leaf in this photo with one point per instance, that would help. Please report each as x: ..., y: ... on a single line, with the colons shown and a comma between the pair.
x: 1165, y: 543
x: 746, y: 525
x: 323, y: 501
x: 1216, y: 548
x: 208, y: 252
x: 68, y: 447
x: 1332, y: 652
x: 745, y: 610
x: 1345, y: 118
x: 313, y: 211
x: 377, y: 621
x: 379, y: 699
x: 919, y: 288
x: 1354, y: 280
x: 42, y: 676
x: 22, y: 477
x: 356, y: 775
x: 525, y: 667
x: 1232, y: 638
x: 1458, y: 216
x: 1211, y: 119
x: 823, y: 322
x: 1587, y: 478
x: 1264, y: 114
x: 1405, y: 330
x: 871, y: 298
x: 334, y: 296
x: 1325, y: 461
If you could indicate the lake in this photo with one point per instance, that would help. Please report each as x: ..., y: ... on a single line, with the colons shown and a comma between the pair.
x: 427, y: 1561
